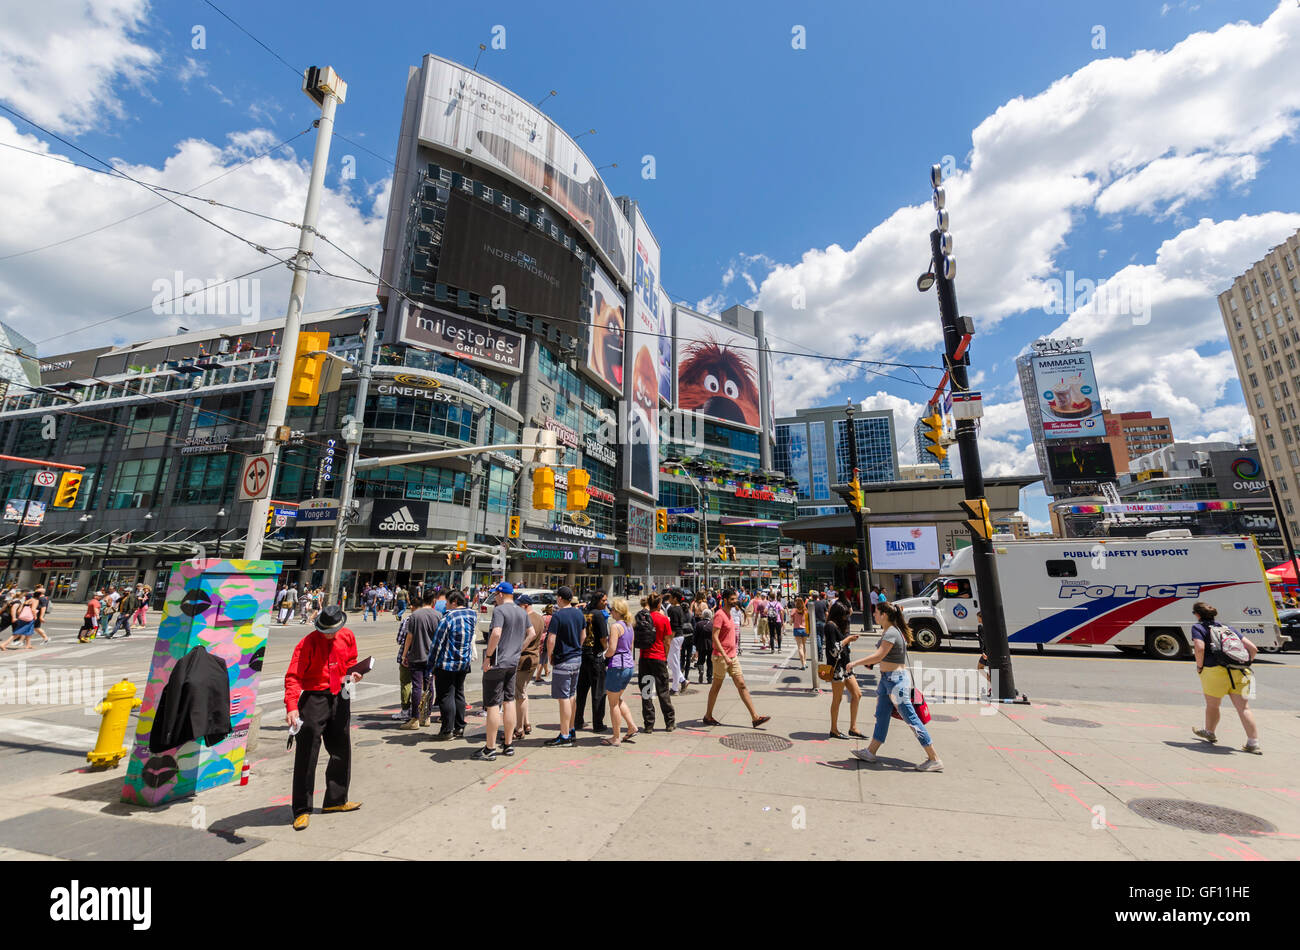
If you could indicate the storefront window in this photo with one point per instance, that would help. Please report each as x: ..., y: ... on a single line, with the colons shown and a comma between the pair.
x: 149, y: 425
x: 204, y: 480
x: 136, y: 481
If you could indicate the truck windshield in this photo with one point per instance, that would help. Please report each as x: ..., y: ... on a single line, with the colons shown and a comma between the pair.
x: 929, y: 589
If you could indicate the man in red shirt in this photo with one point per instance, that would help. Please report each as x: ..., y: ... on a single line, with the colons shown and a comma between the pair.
x: 314, y: 702
x: 90, y: 623
x: 652, y: 669
x: 726, y: 663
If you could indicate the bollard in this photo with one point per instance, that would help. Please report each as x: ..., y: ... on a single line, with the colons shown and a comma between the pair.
x: 116, y: 709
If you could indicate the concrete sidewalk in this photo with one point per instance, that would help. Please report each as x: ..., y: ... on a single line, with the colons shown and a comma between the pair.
x: 1052, y: 780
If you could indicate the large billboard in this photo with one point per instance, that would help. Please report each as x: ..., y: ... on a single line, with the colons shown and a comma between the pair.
x: 1080, y: 464
x: 913, y: 548
x: 717, y: 370
x: 1067, y: 396
x: 1238, y: 474
x: 608, y: 319
x: 469, y: 340
x: 665, y: 348
x: 642, y: 367
x: 477, y: 120
x: 485, y: 249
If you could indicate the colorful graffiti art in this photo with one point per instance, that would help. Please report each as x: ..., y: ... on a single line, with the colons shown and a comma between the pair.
x: 225, y: 607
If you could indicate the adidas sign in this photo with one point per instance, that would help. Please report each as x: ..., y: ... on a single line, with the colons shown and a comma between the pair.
x: 400, y: 520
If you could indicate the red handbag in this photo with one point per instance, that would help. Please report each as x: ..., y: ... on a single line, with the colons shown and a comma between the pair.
x: 918, y: 703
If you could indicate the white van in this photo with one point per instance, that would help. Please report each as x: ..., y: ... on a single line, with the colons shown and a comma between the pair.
x: 1132, y: 594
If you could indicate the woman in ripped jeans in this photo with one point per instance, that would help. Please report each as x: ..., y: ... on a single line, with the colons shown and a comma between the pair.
x: 895, y: 687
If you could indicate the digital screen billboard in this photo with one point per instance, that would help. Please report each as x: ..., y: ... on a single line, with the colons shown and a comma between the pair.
x: 642, y: 367
x: 477, y: 120
x: 1068, y: 400
x: 717, y: 370
x: 665, y: 348
x: 483, y: 249
x: 608, y: 323
x: 911, y: 548
x: 1080, y: 463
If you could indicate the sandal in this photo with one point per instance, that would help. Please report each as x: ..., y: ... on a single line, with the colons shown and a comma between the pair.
x: 630, y: 737
x: 528, y: 730
x: 610, y: 742
x: 838, y: 735
x: 855, y: 734
x: 760, y: 720
x: 519, y: 734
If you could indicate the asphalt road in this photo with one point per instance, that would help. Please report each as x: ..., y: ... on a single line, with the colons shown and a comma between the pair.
x: 50, y: 737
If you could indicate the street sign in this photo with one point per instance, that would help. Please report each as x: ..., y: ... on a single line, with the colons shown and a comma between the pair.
x: 255, y: 478
x: 281, y: 521
x: 321, y: 512
x: 46, y: 479
x: 681, y: 511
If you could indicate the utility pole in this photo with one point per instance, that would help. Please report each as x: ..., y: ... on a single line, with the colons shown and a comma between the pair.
x: 352, y: 436
x: 326, y: 88
x: 860, y: 524
x: 957, y: 331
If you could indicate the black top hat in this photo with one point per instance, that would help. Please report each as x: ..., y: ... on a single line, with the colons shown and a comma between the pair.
x: 331, y: 619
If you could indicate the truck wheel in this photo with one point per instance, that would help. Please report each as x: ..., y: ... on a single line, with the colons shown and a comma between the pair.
x: 925, y: 636
x: 1165, y: 644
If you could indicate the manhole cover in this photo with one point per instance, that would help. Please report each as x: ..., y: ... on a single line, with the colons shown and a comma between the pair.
x: 756, y: 742
x: 1076, y: 723
x: 943, y: 717
x: 1195, y: 816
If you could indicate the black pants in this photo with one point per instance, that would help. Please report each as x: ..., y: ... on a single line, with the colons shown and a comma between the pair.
x: 656, y: 672
x: 325, y: 717
x: 774, y: 635
x: 419, y: 687
x: 591, y: 677
x: 449, y: 687
x: 687, y: 646
x: 704, y: 658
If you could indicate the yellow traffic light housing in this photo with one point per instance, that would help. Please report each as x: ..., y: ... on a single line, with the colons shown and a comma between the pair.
x: 722, y: 546
x: 576, y: 496
x: 544, y: 489
x: 856, y: 499
x: 661, y: 520
x: 308, y: 371
x: 65, y: 496
x: 933, y: 434
x: 978, y: 510
x: 514, y: 526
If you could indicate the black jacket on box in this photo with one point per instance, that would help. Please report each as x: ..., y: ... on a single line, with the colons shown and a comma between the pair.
x: 194, y: 704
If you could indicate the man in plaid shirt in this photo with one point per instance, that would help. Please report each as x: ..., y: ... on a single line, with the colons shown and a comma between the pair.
x: 450, y: 656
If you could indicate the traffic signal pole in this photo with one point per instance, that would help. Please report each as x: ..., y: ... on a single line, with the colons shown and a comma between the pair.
x: 328, y: 92
x: 986, y: 578
x: 860, y: 525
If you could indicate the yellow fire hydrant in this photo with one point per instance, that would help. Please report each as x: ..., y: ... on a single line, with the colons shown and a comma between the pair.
x: 116, y: 710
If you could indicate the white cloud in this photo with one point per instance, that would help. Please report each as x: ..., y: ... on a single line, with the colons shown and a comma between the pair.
x: 113, y: 271
x: 1141, y: 134
x: 191, y: 69
x: 61, y: 61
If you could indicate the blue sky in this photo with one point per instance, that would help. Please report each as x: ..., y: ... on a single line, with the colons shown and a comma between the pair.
x: 777, y: 169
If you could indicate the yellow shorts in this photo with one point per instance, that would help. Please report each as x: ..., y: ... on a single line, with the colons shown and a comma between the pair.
x: 1216, y: 682
x: 728, y: 666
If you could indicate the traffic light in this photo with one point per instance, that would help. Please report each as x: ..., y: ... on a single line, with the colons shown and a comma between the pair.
x: 514, y: 526
x: 856, y: 499
x: 312, y: 558
x: 933, y: 434
x: 661, y: 520
x: 544, y: 489
x: 979, y: 522
x: 576, y: 497
x: 65, y: 496
x: 308, y: 371
x: 722, y: 547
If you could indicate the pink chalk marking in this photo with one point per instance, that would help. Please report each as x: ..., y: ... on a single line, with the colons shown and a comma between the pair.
x: 1245, y: 852
x: 504, y: 773
x: 1275, y: 834
x: 282, y: 800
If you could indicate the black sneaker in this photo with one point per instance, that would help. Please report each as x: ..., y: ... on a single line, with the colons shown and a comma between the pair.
x: 484, y: 754
x: 669, y: 728
x: 442, y: 736
x: 458, y: 734
x: 557, y: 741
x: 647, y: 729
x: 568, y: 742
x: 507, y: 750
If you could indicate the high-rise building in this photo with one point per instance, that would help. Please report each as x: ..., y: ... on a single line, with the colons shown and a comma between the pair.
x: 1132, y: 434
x: 812, y: 447
x: 1259, y: 312
x: 925, y: 458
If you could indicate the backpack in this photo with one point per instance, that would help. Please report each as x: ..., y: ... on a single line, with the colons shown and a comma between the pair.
x: 643, y: 630
x: 703, y: 628
x: 1225, y: 645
